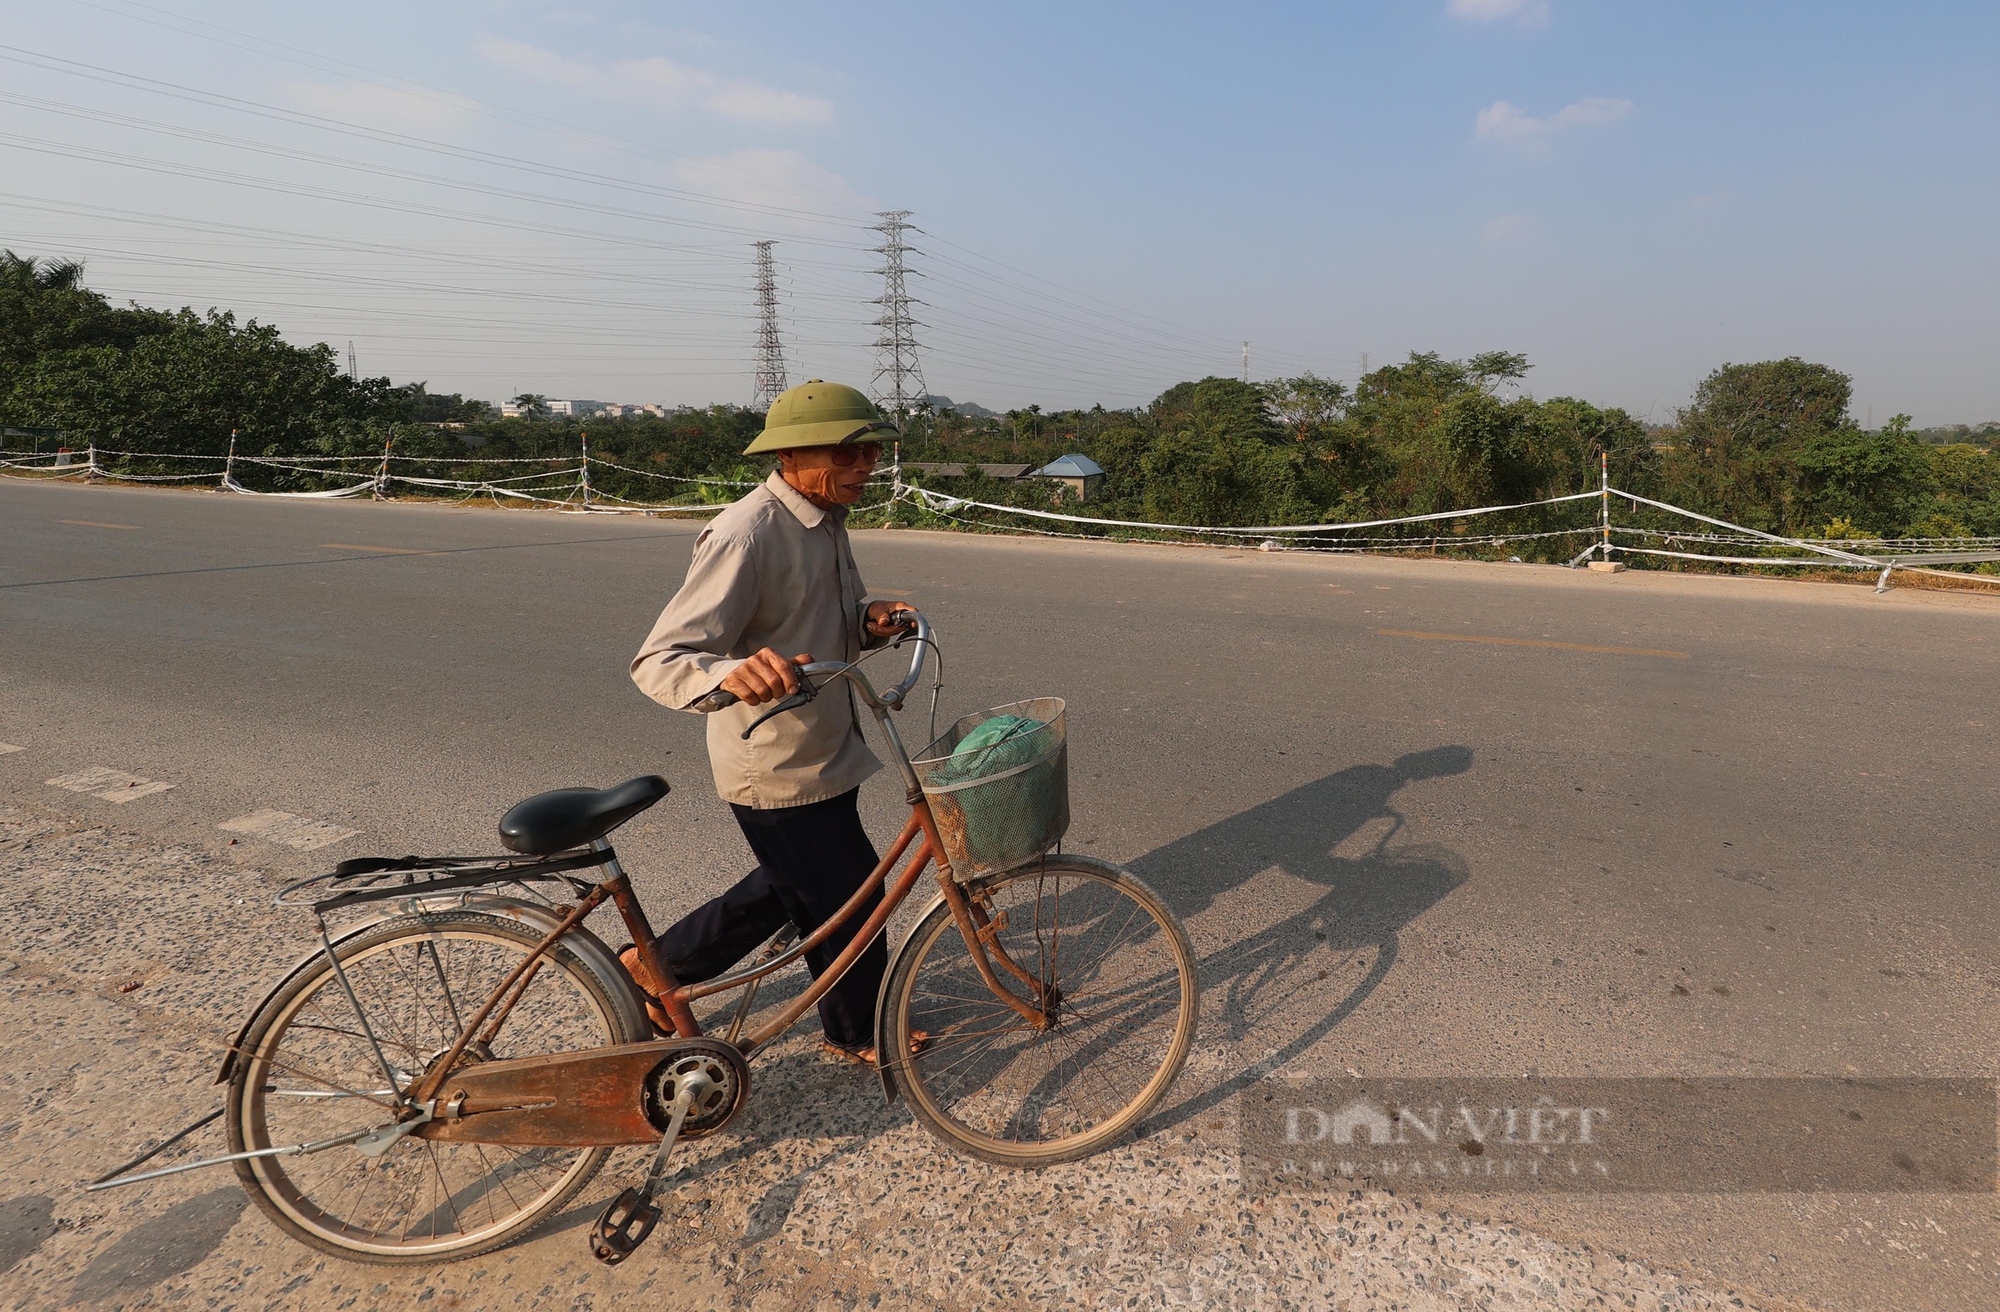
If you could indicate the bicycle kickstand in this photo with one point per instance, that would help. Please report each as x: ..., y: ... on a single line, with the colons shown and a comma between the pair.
x: 632, y: 1215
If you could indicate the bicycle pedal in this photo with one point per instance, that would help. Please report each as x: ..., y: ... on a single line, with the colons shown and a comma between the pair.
x: 623, y: 1226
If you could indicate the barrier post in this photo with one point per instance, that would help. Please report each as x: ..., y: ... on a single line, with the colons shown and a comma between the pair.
x: 90, y: 470
x: 583, y: 470
x: 382, y: 474
x: 229, y: 465
x: 1604, y: 473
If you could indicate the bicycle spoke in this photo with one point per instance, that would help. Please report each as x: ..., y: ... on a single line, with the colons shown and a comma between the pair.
x: 423, y: 1195
x: 1113, y: 969
x: 360, y: 1036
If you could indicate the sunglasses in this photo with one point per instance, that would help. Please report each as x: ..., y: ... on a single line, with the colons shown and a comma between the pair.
x: 860, y: 453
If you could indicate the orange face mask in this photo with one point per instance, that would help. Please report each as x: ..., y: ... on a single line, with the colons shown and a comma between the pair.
x: 816, y: 484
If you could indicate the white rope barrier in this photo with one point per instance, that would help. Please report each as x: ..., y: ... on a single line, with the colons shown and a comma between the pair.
x: 1887, y: 564
x: 483, y: 483
x: 1824, y: 551
x: 1819, y: 561
x: 675, y: 478
x: 1892, y: 544
x: 1347, y: 545
x: 564, y: 482
x: 229, y: 484
x: 1800, y: 544
x: 942, y: 500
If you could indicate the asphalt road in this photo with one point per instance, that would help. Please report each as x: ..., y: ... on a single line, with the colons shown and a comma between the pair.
x: 1420, y: 817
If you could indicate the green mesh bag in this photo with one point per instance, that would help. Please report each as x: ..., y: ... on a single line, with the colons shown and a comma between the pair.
x: 998, y: 784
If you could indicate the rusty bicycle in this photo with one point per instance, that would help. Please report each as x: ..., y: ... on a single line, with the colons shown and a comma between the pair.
x: 451, y: 1069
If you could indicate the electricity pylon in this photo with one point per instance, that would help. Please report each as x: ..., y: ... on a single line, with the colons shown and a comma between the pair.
x: 899, y: 375
x: 770, y: 352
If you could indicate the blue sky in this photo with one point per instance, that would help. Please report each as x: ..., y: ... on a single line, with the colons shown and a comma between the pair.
x: 1112, y: 197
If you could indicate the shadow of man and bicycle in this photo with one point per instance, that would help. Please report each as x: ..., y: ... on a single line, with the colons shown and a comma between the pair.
x: 1268, y: 997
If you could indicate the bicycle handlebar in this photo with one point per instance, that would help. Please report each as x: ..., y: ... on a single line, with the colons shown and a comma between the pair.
x: 892, y: 697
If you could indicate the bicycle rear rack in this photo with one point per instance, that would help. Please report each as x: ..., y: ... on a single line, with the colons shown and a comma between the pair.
x: 384, y: 878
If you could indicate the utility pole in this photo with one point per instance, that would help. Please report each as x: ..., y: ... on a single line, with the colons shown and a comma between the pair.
x: 1246, y: 362
x: 353, y: 374
x: 770, y: 352
x: 899, y: 375
x: 1364, y: 364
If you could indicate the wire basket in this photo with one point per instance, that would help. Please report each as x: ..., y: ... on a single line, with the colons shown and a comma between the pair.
x: 1003, y: 802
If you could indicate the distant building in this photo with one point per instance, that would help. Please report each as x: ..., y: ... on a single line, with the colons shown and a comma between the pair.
x: 567, y: 409
x: 1082, y: 474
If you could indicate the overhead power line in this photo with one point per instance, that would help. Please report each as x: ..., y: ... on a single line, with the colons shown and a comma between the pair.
x: 998, y: 324
x: 343, y: 127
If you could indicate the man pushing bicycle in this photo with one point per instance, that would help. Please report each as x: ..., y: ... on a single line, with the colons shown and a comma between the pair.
x: 1036, y: 1011
x: 773, y: 585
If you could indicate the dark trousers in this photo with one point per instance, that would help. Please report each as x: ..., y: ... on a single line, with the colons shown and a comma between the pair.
x: 810, y: 858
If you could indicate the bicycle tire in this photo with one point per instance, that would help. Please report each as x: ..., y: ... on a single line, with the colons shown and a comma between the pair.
x: 296, y: 1039
x: 974, y: 1040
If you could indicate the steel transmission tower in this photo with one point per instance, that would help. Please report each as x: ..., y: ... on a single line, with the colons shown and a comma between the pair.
x: 770, y: 352
x: 899, y: 376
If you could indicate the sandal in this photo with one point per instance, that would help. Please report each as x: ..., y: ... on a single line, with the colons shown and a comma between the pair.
x: 919, y: 1040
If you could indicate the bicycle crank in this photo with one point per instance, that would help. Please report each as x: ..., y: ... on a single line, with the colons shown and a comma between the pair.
x: 689, y: 1088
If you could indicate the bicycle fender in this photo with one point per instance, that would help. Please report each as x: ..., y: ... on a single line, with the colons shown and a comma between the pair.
x: 882, y: 1045
x: 581, y: 940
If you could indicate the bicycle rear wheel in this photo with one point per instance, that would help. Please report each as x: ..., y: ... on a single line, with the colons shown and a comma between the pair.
x: 1122, y: 997
x: 309, y: 1072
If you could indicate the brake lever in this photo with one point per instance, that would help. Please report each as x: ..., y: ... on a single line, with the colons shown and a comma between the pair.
x: 805, y: 694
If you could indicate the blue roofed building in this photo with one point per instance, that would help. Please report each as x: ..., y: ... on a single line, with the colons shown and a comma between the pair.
x: 1082, y: 474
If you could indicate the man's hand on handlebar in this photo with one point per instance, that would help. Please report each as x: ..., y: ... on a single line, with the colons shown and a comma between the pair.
x: 766, y: 677
x: 886, y: 619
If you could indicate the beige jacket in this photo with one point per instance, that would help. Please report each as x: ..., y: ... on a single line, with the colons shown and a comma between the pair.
x: 773, y: 570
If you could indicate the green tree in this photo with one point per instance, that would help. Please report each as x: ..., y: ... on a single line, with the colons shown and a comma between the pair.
x: 1737, y: 445
x: 1438, y: 436
x: 1967, y: 499
x: 1215, y: 457
x: 1305, y: 404
x: 1882, y: 482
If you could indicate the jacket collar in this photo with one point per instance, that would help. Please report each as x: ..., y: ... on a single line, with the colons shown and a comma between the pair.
x: 802, y: 510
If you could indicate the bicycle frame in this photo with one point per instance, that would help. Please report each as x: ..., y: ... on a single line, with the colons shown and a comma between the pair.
x: 605, y: 1096
x: 920, y: 831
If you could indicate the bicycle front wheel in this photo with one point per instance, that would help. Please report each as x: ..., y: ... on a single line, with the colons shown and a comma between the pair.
x: 314, y: 1067
x: 1116, y: 994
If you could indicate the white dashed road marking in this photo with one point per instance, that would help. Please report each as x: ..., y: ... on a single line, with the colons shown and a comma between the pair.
x: 8, y: 747
x: 287, y: 830
x: 111, y: 785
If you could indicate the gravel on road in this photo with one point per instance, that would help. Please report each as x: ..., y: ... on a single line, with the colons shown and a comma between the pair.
x: 127, y: 962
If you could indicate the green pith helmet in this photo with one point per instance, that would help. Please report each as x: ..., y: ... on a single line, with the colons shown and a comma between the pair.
x: 817, y: 413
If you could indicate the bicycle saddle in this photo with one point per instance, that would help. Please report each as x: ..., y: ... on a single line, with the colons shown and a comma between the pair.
x: 570, y: 817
